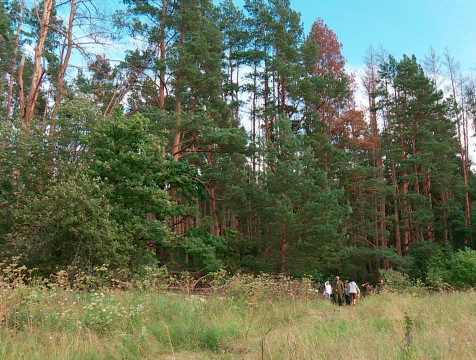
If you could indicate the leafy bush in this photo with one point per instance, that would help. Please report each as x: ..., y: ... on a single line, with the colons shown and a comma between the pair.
x: 206, y: 248
x: 456, y: 269
x: 463, y: 268
x: 69, y: 223
x: 395, y: 280
x: 420, y: 254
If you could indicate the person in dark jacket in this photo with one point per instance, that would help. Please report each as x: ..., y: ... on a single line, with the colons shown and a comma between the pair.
x: 339, y: 291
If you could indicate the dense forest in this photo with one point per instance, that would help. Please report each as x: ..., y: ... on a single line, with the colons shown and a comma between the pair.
x: 225, y: 138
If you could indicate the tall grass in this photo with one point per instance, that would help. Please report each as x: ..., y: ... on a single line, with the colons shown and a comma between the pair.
x: 242, y: 318
x: 387, y: 326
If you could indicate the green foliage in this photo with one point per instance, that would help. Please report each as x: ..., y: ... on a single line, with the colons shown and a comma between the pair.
x: 420, y: 128
x: 70, y: 223
x: 145, y: 163
x: 395, y: 280
x: 300, y: 208
x: 420, y: 255
x: 455, y: 269
x: 463, y: 268
x: 208, y: 249
x: 132, y: 170
x: 76, y: 122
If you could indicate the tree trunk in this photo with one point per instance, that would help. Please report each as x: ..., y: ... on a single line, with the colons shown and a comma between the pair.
x: 398, y: 241
x: 12, y: 70
x: 443, y: 219
x: 178, y: 109
x: 452, y: 68
x: 30, y: 104
x: 162, y: 57
x: 283, y: 247
x: 178, y: 133
x: 63, y: 66
x: 253, y: 119
x: 427, y: 193
x: 21, y: 88
x: 215, y: 225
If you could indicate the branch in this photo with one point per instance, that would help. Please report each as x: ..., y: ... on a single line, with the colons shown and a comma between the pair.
x: 184, y: 148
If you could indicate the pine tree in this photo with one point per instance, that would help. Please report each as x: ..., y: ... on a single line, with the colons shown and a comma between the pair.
x: 419, y: 146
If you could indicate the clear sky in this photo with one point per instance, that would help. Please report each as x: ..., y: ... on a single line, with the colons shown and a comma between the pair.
x: 401, y: 26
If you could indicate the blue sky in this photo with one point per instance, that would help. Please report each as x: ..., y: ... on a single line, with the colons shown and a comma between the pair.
x: 401, y: 26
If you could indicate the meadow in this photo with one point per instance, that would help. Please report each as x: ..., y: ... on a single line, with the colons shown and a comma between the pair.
x: 241, y: 318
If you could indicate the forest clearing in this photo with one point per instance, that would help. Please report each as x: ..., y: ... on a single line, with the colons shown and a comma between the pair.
x: 242, y: 317
x: 164, y: 326
x: 175, y: 175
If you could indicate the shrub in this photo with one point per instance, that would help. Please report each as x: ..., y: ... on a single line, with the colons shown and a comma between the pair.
x: 395, y: 280
x: 463, y: 268
x: 456, y: 269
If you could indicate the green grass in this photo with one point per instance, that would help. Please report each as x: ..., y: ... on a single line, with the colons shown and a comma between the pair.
x: 37, y: 323
x: 434, y: 326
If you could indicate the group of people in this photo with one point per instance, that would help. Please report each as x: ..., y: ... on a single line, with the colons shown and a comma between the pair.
x: 346, y: 292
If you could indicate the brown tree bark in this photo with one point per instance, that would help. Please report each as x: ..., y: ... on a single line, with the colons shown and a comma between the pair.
x: 427, y: 193
x: 36, y: 78
x: 215, y: 225
x: 178, y: 108
x: 21, y: 88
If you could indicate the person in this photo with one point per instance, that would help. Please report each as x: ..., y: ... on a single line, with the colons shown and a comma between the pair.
x: 328, y: 289
x: 379, y: 287
x: 367, y: 289
x: 346, y: 292
x: 317, y: 287
x: 339, y: 291
x: 322, y: 289
x: 354, y: 292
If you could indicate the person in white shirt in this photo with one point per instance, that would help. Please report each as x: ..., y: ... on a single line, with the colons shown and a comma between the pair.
x: 328, y: 289
x: 353, y: 292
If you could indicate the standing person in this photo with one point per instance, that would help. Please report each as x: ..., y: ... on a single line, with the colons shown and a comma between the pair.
x: 322, y: 289
x: 339, y: 291
x: 346, y: 293
x: 367, y: 289
x: 317, y: 287
x: 353, y: 292
x: 328, y: 289
x: 379, y: 287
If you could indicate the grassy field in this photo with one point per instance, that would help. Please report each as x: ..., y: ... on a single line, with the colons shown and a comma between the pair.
x: 44, y: 323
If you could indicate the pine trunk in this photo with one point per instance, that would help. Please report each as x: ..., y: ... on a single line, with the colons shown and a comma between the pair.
x: 12, y: 70
x: 162, y: 57
x: 283, y: 247
x: 67, y: 49
x: 37, y: 76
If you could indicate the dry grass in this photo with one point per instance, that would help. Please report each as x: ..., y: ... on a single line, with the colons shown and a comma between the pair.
x: 262, y: 321
x: 435, y: 326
